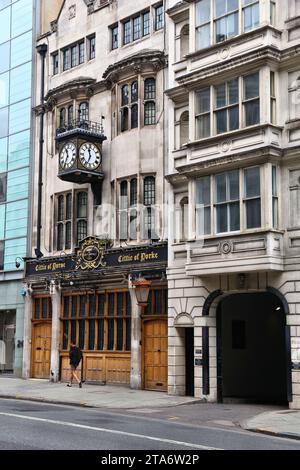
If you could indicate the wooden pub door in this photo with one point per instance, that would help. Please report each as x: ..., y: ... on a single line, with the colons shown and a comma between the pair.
x: 155, y: 341
x: 41, y: 350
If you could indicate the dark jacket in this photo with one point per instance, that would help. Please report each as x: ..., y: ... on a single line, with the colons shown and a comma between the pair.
x: 75, y: 355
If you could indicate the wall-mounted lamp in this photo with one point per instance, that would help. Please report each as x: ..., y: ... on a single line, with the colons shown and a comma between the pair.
x: 18, y: 264
x: 142, y: 290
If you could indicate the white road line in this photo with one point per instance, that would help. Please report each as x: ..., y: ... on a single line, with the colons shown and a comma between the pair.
x: 110, y: 431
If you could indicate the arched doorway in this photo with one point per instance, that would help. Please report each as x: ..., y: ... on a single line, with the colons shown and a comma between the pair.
x: 252, y: 348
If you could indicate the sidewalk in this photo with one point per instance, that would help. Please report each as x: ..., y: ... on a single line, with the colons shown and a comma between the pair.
x: 282, y: 423
x: 95, y: 396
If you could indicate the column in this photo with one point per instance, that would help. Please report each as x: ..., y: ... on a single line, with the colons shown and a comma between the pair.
x: 56, y: 300
x: 136, y: 342
x: 26, y: 363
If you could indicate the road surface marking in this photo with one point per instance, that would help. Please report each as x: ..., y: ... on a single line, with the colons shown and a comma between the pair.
x: 110, y: 431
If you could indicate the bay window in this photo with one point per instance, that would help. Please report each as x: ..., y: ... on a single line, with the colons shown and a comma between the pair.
x: 230, y: 202
x: 251, y: 99
x: 226, y: 19
x: 252, y: 199
x: 224, y: 102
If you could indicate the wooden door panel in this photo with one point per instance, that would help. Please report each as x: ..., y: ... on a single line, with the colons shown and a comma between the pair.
x: 155, y: 354
x: 41, y: 354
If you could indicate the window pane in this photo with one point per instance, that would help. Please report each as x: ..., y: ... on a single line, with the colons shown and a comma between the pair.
x: 110, y: 338
x: 125, y: 95
x: 233, y: 118
x: 134, y: 92
x: 202, y: 12
x: 19, y: 117
x: 203, y: 101
x: 234, y: 213
x: 251, y: 17
x: 203, y: 220
x: 274, y: 181
x: 3, y: 155
x: 252, y: 113
x: 82, y: 205
x: 4, y: 57
x: 18, y: 150
x: 222, y: 222
x: 91, y: 335
x: 22, y: 17
x: 221, y: 195
x: 5, y: 25
x: 253, y: 213
x: 233, y: 91
x: 4, y: 89
x: 20, y: 83
x: 221, y: 95
x: 203, y: 126
x: 100, y: 344
x: 234, y: 185
x: 203, y: 36
x: 81, y: 230
x: 221, y: 30
x: 252, y: 182
x: 221, y: 117
x: 136, y: 28
x: 232, y: 25
x: 251, y: 84
x: 150, y: 89
x: 3, y: 122
x: 203, y: 191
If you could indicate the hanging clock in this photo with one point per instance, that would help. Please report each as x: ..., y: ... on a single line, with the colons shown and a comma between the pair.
x: 90, y: 156
x: 67, y: 156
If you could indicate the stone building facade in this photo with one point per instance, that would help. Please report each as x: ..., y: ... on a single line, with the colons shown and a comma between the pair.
x: 98, y: 192
x: 233, y: 173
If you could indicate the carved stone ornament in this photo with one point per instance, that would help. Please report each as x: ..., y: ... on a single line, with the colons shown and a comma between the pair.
x: 72, y: 12
x: 53, y: 26
x: 226, y: 145
x: 226, y: 247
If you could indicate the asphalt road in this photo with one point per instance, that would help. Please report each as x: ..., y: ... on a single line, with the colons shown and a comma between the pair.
x: 37, y: 426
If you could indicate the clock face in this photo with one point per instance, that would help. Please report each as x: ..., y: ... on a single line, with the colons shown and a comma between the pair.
x: 90, y: 156
x: 67, y: 155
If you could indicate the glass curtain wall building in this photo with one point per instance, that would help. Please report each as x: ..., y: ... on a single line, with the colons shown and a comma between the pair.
x: 17, y: 28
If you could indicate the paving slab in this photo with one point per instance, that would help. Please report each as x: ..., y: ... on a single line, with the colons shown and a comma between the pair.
x: 98, y: 396
x: 284, y: 423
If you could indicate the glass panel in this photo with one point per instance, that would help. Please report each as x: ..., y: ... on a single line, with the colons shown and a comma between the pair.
x: 203, y: 101
x: 221, y: 30
x: 203, y: 126
x: 252, y: 182
x: 252, y: 113
x: 69, y: 206
x: 81, y: 205
x: 82, y: 304
x: 3, y: 155
x: 110, y: 336
x: 20, y: 83
x: 221, y: 117
x: 203, y: 191
x: 19, y: 116
x: 253, y: 213
x: 65, y: 335
x: 21, y: 49
x: 66, y: 307
x: 92, y: 305
x: 233, y: 118
x: 125, y: 95
x: 13, y: 249
x: 18, y: 150
x: 2, y: 220
x: 4, y: 56
x: 222, y: 222
x: 234, y: 185
x: 37, y: 310
x: 81, y: 334
x: 120, y: 334
x: 73, y: 331
x: 92, y: 324
x: 274, y: 181
x: 233, y: 91
x: 251, y: 17
x: 232, y: 25
x: 221, y: 194
x: 81, y: 231
x: 5, y: 25
x: 251, y: 84
x: 74, y: 306
x: 4, y: 89
x: 150, y: 89
x: 22, y: 16
x: 202, y: 12
x: 136, y: 28
x: 149, y: 191
x: 111, y: 303
x: 128, y: 334
x: 134, y: 92
x: 16, y: 219
x: 100, y: 344
x: 17, y: 184
x: 101, y: 305
x: 44, y: 308
x: 234, y: 214
x: 3, y: 122
x: 146, y: 23
x: 220, y: 91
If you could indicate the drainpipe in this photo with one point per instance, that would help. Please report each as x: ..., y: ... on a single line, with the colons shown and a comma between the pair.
x: 42, y: 50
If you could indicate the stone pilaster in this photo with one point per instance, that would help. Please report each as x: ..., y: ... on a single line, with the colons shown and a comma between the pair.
x: 26, y: 363
x: 136, y: 342
x: 56, y: 302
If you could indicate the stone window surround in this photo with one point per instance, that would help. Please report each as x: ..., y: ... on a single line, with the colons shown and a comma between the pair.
x: 74, y: 219
x: 58, y: 55
x: 266, y: 195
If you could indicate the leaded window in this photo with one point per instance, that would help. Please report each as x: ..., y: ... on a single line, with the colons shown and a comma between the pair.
x: 70, y: 218
x: 83, y: 111
x: 98, y: 322
x: 115, y: 37
x: 159, y: 17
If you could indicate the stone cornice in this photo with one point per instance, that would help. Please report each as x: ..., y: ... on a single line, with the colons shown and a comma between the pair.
x: 194, y: 169
x: 147, y: 59
x: 180, y: 7
x: 83, y: 85
x: 258, y: 57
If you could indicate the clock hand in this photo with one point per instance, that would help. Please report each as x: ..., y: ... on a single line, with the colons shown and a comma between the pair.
x: 89, y: 150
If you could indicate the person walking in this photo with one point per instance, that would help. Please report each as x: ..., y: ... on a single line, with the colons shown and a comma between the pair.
x: 75, y: 355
